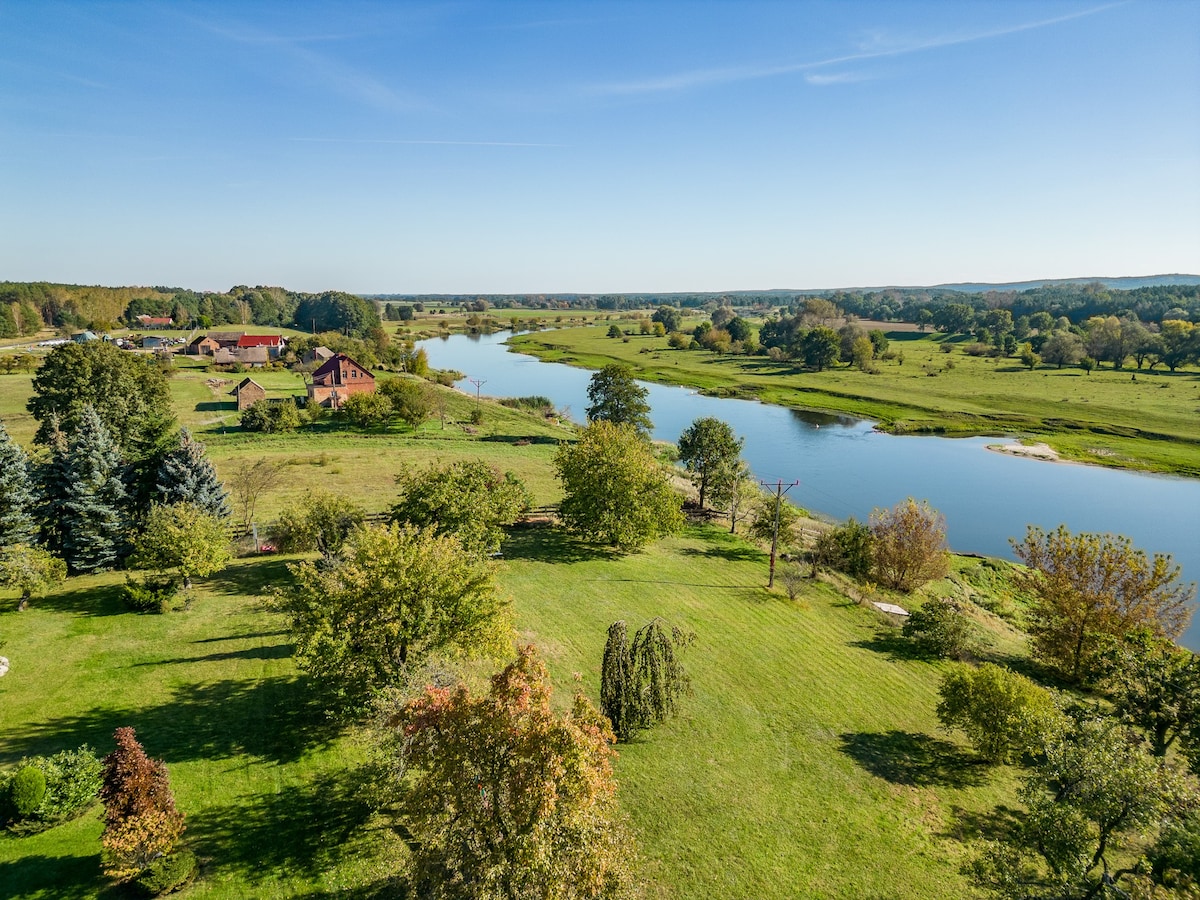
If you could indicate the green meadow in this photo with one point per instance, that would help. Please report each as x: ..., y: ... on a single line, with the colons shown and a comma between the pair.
x: 807, y: 762
x: 1125, y: 418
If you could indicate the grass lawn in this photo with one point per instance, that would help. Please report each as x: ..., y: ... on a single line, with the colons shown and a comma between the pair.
x: 1148, y: 422
x: 807, y: 763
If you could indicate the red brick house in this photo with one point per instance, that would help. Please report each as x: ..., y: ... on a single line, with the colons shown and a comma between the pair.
x: 203, y: 346
x: 337, y: 379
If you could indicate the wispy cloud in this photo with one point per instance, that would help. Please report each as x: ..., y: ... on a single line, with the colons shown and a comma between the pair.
x: 324, y: 69
x: 819, y: 80
x: 878, y: 46
x: 310, y: 140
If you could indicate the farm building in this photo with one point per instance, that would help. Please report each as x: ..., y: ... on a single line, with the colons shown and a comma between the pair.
x: 337, y: 379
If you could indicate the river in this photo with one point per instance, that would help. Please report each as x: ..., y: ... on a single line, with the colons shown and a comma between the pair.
x: 846, y: 468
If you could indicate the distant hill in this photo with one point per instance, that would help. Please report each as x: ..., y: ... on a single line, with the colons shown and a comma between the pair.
x: 1123, y: 283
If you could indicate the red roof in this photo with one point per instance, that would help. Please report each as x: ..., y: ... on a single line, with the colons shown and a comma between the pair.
x: 259, y: 340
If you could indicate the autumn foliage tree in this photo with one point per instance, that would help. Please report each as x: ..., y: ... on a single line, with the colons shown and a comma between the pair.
x: 908, y: 545
x: 1094, y: 587
x: 506, y: 799
x: 141, y: 822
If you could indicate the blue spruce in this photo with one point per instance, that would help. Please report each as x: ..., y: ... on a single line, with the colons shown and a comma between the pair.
x: 17, y: 499
x: 93, y: 519
x: 186, y: 475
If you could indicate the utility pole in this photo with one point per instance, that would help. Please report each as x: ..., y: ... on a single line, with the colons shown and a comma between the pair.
x: 478, y: 382
x: 780, y: 490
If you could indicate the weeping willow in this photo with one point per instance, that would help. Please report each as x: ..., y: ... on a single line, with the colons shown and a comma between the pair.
x: 642, y: 681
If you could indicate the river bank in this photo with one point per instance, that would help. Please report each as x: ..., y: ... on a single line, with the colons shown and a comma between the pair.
x: 931, y: 386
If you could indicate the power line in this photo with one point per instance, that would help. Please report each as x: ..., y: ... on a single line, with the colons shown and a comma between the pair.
x: 780, y: 490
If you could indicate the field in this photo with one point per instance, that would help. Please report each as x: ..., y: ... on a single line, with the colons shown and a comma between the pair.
x: 1126, y: 418
x: 807, y: 762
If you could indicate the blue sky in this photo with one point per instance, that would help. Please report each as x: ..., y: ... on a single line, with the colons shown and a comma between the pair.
x: 597, y: 147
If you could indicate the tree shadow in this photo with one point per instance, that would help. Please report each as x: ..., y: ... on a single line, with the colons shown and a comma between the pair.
x: 993, y: 824
x: 31, y: 877
x: 905, y: 757
x: 101, y: 600
x: 277, y: 651
x: 252, y: 577
x: 299, y: 831
x: 895, y: 646
x: 216, y: 406
x: 552, y: 545
x: 278, y: 718
x: 394, y: 888
x: 728, y: 552
x: 521, y: 439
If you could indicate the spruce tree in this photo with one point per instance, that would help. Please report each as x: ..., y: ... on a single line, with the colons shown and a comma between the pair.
x: 52, y: 480
x: 17, y: 499
x: 186, y: 475
x: 93, y: 516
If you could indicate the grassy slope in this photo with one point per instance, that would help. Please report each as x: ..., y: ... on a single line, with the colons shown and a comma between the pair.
x: 807, y: 763
x: 1105, y: 417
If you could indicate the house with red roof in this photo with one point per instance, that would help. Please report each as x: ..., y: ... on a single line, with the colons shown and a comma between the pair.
x: 273, y: 342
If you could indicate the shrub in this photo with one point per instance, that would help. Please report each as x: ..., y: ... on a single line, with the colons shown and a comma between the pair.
x: 614, y: 331
x: 26, y: 791
x: 940, y: 628
x: 476, y: 417
x: 846, y: 548
x: 1005, y: 715
x: 168, y: 873
x: 151, y: 594
x: 72, y: 779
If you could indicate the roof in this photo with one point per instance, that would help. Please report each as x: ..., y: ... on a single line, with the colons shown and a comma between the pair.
x: 321, y: 353
x: 226, y: 335
x: 244, y: 383
x: 156, y: 320
x: 329, y: 371
x: 260, y: 340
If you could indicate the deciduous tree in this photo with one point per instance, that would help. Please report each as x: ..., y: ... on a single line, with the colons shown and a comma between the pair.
x: 1005, y: 715
x: 184, y: 538
x: 141, y: 822
x: 393, y: 596
x: 1155, y: 685
x: 908, y: 545
x: 615, y: 491
x: 128, y: 393
x: 507, y: 799
x: 249, y: 481
x: 616, y: 398
x: 641, y: 682
x: 1090, y: 587
x: 320, y: 521
x: 711, y: 452
x: 29, y: 569
x: 468, y: 498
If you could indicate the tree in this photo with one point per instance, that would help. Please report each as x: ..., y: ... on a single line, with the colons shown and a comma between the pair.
x: 1096, y: 786
x: 1180, y: 343
x: 1028, y: 358
x: 940, y: 628
x: 641, y: 683
x: 364, y: 410
x: 128, y: 393
x: 141, y: 822
x: 271, y: 417
x: 614, y: 331
x: 17, y: 499
x: 820, y: 348
x: 321, y: 521
x: 670, y: 317
x: 845, y: 548
x: 1063, y: 348
x: 908, y: 545
x: 616, y: 398
x: 1090, y: 587
x: 615, y: 491
x: 249, y: 481
x: 1005, y: 715
x: 469, y: 499
x: 187, y: 475
x: 505, y: 798
x: 392, y: 597
x: 92, y: 508
x: 1155, y: 685
x: 183, y: 537
x: 711, y: 452
x: 411, y: 399
x: 29, y: 569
